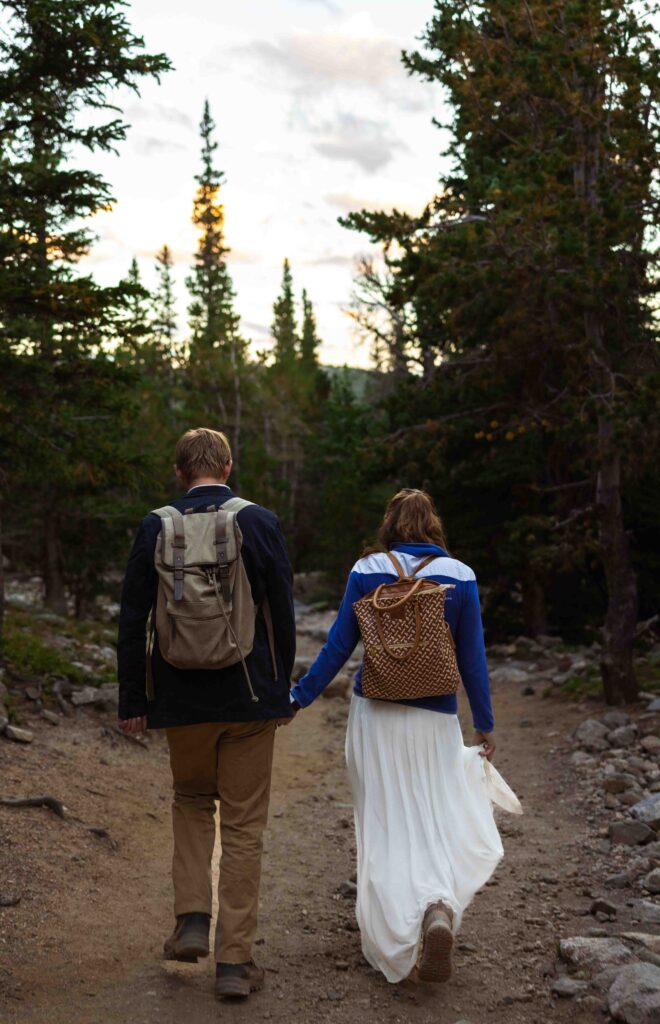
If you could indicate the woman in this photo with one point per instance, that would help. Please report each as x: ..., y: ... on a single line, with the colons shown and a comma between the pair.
x: 426, y: 837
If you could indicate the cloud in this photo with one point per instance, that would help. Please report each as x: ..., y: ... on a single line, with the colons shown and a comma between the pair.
x: 152, y: 111
x: 328, y: 4
x: 150, y: 145
x: 250, y: 325
x: 368, y: 143
x: 317, y: 59
x: 331, y: 260
x: 348, y: 203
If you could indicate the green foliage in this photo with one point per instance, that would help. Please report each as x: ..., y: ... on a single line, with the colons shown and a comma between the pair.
x: 27, y: 654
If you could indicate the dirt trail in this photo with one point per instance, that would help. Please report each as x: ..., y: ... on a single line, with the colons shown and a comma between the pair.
x: 84, y: 944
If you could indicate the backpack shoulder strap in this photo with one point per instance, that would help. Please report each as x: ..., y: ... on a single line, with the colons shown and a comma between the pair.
x: 422, y: 565
x: 397, y: 564
x: 236, y: 504
x: 178, y: 544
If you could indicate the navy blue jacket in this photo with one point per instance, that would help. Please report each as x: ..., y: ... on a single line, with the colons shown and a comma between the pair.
x: 192, y: 696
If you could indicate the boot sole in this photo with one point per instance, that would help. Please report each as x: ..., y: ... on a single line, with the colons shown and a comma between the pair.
x: 435, y: 962
x: 187, y: 952
x: 236, y: 988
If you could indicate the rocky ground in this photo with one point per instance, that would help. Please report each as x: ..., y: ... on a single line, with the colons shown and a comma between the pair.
x: 568, y: 928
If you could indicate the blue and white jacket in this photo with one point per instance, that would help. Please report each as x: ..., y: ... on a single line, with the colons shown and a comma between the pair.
x: 462, y: 611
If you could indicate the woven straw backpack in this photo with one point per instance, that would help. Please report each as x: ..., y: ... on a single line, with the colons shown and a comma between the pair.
x: 408, y: 647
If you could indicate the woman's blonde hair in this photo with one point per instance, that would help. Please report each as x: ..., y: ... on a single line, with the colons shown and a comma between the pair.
x: 411, y: 518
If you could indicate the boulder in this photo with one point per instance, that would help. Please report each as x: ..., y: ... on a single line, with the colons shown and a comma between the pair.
x: 618, y: 782
x: 645, y: 911
x: 652, y: 881
x: 615, y: 719
x: 85, y: 695
x: 569, y: 988
x: 593, y: 955
x: 623, y: 736
x: 590, y: 735
x: 635, y: 994
x: 630, y: 833
x: 648, y: 811
x: 654, y: 705
x: 651, y: 744
x: 12, y: 732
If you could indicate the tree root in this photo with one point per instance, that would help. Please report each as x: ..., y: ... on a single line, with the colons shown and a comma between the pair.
x: 56, y: 806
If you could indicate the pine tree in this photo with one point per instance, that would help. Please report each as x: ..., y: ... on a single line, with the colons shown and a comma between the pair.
x: 213, y: 320
x: 218, y: 371
x: 59, y: 60
x: 164, y: 303
x: 284, y: 328
x: 530, y: 275
x: 309, y: 339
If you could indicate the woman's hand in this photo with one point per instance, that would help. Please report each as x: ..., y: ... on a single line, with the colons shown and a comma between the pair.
x: 485, y: 740
x: 133, y: 726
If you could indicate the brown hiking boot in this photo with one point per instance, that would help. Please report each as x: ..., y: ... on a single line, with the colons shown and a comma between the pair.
x: 434, y: 962
x: 190, y: 938
x: 236, y: 981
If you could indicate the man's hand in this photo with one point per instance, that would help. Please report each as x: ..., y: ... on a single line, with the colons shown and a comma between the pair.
x: 133, y: 726
x: 287, y: 721
x: 485, y: 740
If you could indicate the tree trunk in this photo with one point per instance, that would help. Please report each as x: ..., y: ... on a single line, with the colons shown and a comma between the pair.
x: 617, y: 665
x: 2, y: 587
x: 534, y: 608
x: 53, y: 573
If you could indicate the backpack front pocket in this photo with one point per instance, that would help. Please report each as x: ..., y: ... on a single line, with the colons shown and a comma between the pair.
x: 197, y: 635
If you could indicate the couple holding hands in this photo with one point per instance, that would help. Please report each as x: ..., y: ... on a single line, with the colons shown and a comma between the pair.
x: 206, y: 650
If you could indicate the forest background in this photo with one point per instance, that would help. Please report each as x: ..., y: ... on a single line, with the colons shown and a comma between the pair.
x: 512, y: 325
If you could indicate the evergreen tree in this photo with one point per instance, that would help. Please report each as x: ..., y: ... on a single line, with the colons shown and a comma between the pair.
x: 134, y: 327
x: 218, y: 371
x: 213, y: 320
x: 164, y: 304
x: 529, y: 274
x: 309, y: 339
x: 284, y: 328
x: 58, y: 60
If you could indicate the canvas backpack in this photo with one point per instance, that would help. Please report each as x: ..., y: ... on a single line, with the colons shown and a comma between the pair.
x: 408, y: 647
x: 205, y: 614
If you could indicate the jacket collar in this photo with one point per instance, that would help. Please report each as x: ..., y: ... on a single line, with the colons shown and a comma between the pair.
x: 420, y: 549
x: 213, y: 489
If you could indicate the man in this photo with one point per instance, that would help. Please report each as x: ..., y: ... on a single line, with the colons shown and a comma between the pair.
x: 220, y: 732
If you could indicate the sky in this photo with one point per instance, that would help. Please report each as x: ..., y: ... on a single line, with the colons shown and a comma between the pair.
x: 315, y: 117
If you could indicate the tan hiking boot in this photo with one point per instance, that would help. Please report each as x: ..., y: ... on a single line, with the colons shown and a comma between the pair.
x: 190, y: 938
x: 434, y: 962
x: 236, y: 981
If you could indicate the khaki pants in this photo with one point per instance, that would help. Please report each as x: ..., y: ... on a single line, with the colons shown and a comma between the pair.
x: 232, y: 762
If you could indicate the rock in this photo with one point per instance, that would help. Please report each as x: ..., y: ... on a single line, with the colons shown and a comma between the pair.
x: 648, y: 811
x: 581, y: 759
x: 654, y: 705
x: 108, y: 697
x: 509, y: 674
x: 347, y: 889
x: 33, y: 691
x: 593, y: 954
x: 569, y: 988
x: 50, y: 716
x: 12, y: 732
x: 646, y: 911
x: 84, y: 695
x: 601, y: 906
x: 635, y: 995
x: 618, y: 782
x: 4, y: 718
x: 4, y: 693
x: 638, y: 866
x: 651, y: 744
x: 650, y: 942
x: 527, y: 691
x: 618, y: 881
x: 615, y: 719
x: 9, y: 900
x: 630, y: 833
x: 624, y: 736
x: 590, y: 735
x: 652, y: 850
x: 652, y: 881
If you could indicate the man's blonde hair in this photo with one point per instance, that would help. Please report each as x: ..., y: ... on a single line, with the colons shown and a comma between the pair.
x: 202, y: 452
